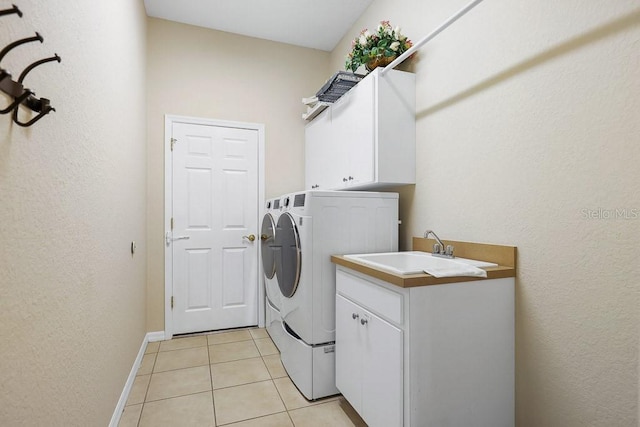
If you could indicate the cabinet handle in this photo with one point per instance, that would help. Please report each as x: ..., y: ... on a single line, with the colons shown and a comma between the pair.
x: 344, y: 180
x: 363, y: 321
x: 350, y: 178
x: 354, y: 316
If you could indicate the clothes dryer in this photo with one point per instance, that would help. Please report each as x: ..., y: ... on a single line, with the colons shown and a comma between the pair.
x: 273, y: 298
x: 314, y: 225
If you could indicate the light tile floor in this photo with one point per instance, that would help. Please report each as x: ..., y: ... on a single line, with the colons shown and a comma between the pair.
x: 232, y: 378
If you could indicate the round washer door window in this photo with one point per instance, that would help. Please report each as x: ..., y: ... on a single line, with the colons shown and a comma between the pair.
x: 288, y: 257
x: 267, y: 242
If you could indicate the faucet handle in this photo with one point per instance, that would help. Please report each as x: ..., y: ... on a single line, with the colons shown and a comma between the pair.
x: 437, y: 249
x: 449, y: 251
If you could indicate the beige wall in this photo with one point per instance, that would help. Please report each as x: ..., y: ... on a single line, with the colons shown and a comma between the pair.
x: 527, y: 114
x: 72, y: 198
x: 203, y: 73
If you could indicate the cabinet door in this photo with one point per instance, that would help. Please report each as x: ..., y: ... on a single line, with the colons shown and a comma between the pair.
x: 349, y: 351
x: 382, y: 379
x: 361, y: 154
x: 317, y: 134
x: 353, y: 123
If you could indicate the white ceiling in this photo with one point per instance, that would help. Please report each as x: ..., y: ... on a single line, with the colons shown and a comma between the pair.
x: 317, y: 24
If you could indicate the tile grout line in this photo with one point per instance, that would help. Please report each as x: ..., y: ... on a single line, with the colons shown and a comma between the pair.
x: 144, y: 400
x: 254, y: 418
x: 252, y: 338
x: 286, y: 410
x: 213, y: 404
x: 281, y: 398
x: 179, y: 369
x: 186, y: 348
x: 176, y: 397
x: 146, y: 392
x: 153, y: 372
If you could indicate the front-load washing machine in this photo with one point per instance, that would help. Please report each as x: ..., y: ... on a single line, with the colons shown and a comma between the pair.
x: 312, y: 226
x: 273, y: 298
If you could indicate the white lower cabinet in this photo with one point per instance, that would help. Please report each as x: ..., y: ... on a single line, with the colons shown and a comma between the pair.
x: 369, y: 365
x: 426, y: 356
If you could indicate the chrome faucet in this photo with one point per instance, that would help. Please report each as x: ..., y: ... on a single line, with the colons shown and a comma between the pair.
x: 439, y: 249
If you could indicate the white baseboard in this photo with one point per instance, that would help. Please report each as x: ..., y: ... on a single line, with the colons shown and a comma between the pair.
x: 155, y: 336
x: 117, y: 413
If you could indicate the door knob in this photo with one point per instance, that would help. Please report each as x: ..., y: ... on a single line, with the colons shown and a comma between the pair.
x: 250, y: 237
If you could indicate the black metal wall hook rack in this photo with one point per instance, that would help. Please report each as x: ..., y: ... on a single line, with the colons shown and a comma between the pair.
x: 11, y: 11
x: 15, y: 89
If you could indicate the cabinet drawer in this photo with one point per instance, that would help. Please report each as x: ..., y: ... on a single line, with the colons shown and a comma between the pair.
x: 381, y: 301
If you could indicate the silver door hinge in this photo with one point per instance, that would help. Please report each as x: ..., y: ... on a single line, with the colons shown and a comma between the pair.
x: 172, y: 302
x: 173, y: 142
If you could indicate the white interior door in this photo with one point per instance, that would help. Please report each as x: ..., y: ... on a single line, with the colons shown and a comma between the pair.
x: 215, y: 218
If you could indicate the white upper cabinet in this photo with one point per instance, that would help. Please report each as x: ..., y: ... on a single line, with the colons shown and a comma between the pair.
x: 316, y: 148
x: 366, y: 139
x: 352, y: 125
